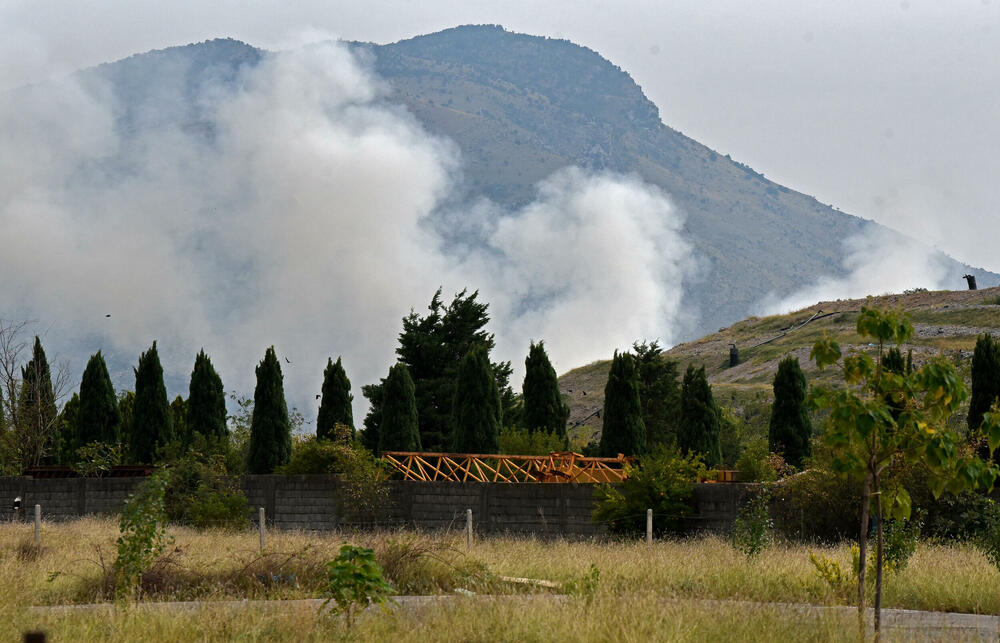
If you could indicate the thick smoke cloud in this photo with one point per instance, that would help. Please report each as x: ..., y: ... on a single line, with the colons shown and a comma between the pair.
x: 298, y: 211
x: 876, y: 262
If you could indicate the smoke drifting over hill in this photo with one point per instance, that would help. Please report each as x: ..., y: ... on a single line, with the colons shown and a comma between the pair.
x: 876, y: 262
x: 297, y: 210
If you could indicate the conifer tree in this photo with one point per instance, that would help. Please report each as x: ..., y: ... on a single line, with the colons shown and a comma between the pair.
x: 623, y: 429
x: 126, y: 408
x: 893, y: 361
x: 65, y: 443
x: 398, y: 428
x: 985, y: 380
x: 98, y: 418
x: 335, y: 406
x: 178, y: 415
x: 270, y: 428
x: 790, y: 428
x: 699, y: 426
x: 206, y: 403
x: 152, y: 421
x: 659, y: 393
x: 476, y: 412
x: 432, y: 347
x: 544, y: 408
x: 36, y: 407
x: 370, y: 433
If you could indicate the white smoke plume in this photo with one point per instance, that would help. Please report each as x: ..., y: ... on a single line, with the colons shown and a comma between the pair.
x: 877, y: 261
x: 302, y: 221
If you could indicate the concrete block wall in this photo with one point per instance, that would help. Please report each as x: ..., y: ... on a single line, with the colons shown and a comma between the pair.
x: 310, y: 503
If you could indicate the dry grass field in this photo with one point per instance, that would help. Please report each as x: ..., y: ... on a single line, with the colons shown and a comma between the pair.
x: 643, y: 592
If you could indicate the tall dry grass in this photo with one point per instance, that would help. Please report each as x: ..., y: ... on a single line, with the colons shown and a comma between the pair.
x: 643, y: 593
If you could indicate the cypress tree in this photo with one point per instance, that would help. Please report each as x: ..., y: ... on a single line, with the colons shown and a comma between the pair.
x: 98, y: 418
x: 985, y: 380
x: 152, y: 421
x: 36, y: 406
x: 476, y: 412
x: 206, y: 403
x: 699, y: 426
x: 65, y: 445
x: 544, y: 408
x: 659, y: 393
x: 370, y: 433
x: 398, y: 427
x: 790, y: 428
x: 270, y: 428
x: 335, y: 407
x: 178, y: 415
x: 126, y: 406
x: 623, y: 430
x: 893, y: 361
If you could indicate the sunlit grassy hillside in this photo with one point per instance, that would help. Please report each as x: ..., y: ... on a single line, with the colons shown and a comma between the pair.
x: 946, y: 323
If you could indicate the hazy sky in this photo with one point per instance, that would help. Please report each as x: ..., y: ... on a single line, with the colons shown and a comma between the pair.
x: 887, y: 110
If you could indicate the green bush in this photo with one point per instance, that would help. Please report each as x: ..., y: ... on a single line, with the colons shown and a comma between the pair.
x: 199, y: 493
x: 900, y: 541
x: 362, y: 495
x: 817, y: 505
x: 663, y: 482
x: 756, y: 463
x: 143, y: 534
x: 515, y: 441
x: 354, y: 581
x: 751, y: 532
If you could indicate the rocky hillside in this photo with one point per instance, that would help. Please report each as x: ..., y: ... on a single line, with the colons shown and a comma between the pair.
x: 945, y: 323
x: 520, y: 107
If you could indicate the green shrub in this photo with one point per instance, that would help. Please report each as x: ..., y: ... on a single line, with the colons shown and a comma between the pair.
x: 663, y: 482
x: 95, y: 459
x: 755, y: 463
x: 988, y: 538
x: 817, y: 505
x: 354, y: 581
x: 515, y: 441
x: 362, y: 495
x: 143, y: 533
x: 751, y: 532
x: 199, y: 493
x: 900, y: 541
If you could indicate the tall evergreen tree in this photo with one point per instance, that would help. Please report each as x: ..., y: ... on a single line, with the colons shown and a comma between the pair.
x: 476, y: 413
x: 206, y: 403
x: 659, y: 393
x: 894, y: 362
x: 985, y: 380
x: 790, y: 428
x: 36, y: 407
x: 335, y: 406
x: 398, y: 428
x: 432, y: 347
x: 699, y: 427
x: 126, y: 408
x: 98, y: 418
x: 369, y: 436
x: 623, y: 430
x: 65, y: 443
x: 544, y: 408
x: 178, y: 415
x: 152, y: 421
x: 270, y: 428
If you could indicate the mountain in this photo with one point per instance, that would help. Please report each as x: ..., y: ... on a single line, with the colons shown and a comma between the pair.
x: 520, y: 107
x: 945, y: 322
